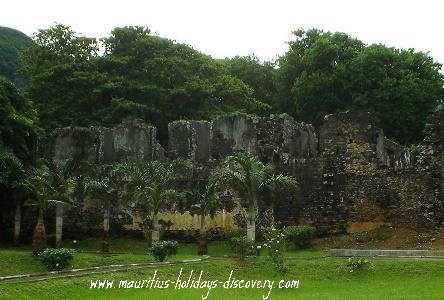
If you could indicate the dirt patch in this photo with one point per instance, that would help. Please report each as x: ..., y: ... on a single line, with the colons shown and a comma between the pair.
x: 385, y: 238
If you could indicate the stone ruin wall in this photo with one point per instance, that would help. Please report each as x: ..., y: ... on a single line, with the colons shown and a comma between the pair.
x: 352, y: 177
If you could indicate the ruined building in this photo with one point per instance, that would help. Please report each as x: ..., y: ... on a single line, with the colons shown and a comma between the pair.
x: 352, y: 177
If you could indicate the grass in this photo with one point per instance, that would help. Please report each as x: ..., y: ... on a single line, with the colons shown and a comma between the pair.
x: 320, y: 277
x: 13, y: 262
x: 21, y: 261
x: 323, y: 278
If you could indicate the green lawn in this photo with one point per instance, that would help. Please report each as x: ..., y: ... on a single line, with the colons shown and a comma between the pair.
x: 320, y: 277
x: 21, y: 261
x: 323, y: 278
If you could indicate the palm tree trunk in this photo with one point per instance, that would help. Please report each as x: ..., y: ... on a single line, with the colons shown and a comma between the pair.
x: 155, y: 233
x: 17, y: 224
x: 202, y: 246
x: 251, y: 223
x: 105, y: 240
x: 59, y: 225
x: 39, y: 236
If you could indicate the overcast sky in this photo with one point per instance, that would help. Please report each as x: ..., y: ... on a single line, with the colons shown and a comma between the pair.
x: 228, y: 28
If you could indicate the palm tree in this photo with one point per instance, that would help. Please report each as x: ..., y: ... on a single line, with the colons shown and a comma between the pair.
x: 104, y: 186
x: 204, y: 202
x: 150, y: 184
x: 255, y: 183
x: 63, y: 180
x: 43, y: 194
x: 12, y: 178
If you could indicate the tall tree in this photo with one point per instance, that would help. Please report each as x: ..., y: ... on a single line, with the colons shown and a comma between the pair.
x: 161, y: 81
x: 254, y: 183
x: 399, y: 87
x: 139, y: 75
x: 63, y: 80
x: 312, y: 74
x: 18, y: 122
x: 325, y: 72
x: 260, y: 76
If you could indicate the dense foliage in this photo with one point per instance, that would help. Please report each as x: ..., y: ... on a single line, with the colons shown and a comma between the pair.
x: 18, y: 121
x: 326, y: 72
x: 135, y: 74
x: 300, y: 236
x: 163, y: 249
x: 11, y: 43
x: 242, y: 246
x: 56, y: 259
x: 260, y: 76
x: 139, y: 75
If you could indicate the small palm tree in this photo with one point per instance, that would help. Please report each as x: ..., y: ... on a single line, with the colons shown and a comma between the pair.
x: 44, y: 192
x: 150, y: 184
x: 62, y: 178
x: 204, y: 202
x: 255, y: 183
x: 103, y: 186
x: 12, y: 178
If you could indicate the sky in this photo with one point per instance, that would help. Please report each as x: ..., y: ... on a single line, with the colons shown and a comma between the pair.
x: 228, y: 28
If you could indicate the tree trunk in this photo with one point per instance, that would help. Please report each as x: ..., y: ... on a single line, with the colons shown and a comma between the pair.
x: 59, y: 225
x: 105, y: 240
x: 155, y: 233
x: 17, y: 224
x: 251, y: 223
x: 39, y: 236
x: 148, y: 236
x: 202, y: 244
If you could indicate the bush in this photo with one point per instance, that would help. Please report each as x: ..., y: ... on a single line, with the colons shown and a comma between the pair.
x: 300, y: 236
x: 242, y: 246
x: 163, y: 249
x: 57, y: 259
x: 357, y: 263
x: 233, y: 233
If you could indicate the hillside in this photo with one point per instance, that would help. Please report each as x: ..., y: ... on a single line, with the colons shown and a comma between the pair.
x: 11, y: 42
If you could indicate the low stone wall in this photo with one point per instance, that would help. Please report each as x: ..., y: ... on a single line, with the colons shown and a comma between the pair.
x: 387, y: 253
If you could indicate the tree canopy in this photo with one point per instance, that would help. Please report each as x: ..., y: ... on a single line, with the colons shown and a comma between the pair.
x: 325, y: 72
x: 132, y: 73
x: 260, y: 76
x: 137, y: 75
x: 18, y: 121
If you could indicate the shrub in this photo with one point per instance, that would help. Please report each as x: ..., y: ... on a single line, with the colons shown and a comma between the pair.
x: 242, y: 246
x: 233, y: 233
x: 163, y: 249
x: 357, y: 263
x: 300, y: 236
x: 56, y: 259
x: 276, y: 245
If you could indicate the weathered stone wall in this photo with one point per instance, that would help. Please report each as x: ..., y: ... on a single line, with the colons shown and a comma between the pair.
x: 130, y: 140
x: 383, y: 184
x: 352, y: 177
x: 233, y: 133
